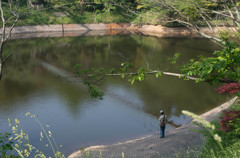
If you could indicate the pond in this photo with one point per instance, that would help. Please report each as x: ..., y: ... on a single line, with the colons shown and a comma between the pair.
x: 37, y: 79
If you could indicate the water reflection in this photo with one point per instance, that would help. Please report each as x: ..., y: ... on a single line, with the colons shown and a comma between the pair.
x: 35, y: 81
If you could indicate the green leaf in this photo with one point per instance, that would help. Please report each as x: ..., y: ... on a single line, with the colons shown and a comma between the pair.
x: 158, y: 74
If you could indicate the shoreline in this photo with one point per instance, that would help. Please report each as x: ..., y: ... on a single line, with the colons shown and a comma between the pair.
x: 136, y: 146
x: 110, y: 29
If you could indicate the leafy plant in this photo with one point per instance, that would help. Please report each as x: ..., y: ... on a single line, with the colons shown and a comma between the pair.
x: 174, y: 59
x: 230, y: 121
x: 230, y: 88
x: 224, y: 66
x: 17, y: 144
x: 6, y: 145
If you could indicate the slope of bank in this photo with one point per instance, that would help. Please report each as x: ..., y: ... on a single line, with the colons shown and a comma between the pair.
x: 177, y: 141
x: 113, y: 28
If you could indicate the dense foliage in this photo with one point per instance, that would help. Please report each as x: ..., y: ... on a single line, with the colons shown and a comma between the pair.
x: 37, y: 12
x: 224, y: 66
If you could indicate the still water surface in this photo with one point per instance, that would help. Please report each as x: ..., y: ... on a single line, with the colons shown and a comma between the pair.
x: 36, y: 80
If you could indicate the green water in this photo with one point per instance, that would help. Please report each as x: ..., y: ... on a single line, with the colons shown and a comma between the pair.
x: 37, y: 80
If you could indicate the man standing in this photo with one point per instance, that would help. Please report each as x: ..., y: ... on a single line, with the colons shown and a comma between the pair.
x: 162, y: 123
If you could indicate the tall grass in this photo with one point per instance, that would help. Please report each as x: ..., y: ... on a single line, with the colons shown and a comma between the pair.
x: 17, y: 144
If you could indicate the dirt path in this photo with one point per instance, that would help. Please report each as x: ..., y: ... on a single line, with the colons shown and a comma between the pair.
x: 176, y: 142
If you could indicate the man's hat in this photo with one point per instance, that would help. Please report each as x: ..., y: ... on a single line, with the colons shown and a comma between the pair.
x: 161, y: 112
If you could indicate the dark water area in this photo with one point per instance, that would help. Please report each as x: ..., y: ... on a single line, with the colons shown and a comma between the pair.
x: 37, y: 80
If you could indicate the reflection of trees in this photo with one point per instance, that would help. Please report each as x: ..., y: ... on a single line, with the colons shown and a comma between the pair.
x: 173, y: 93
x: 39, y: 79
x: 168, y: 93
x: 73, y: 95
x: 159, y: 50
x: 90, y: 51
x: 17, y: 81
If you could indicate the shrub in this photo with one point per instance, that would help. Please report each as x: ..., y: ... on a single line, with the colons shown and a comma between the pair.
x: 230, y: 88
x: 229, y: 121
x: 6, y: 145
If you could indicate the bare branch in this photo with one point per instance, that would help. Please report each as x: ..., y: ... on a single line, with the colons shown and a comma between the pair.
x: 145, y: 61
x: 187, y: 24
x: 11, y: 28
x: 209, y: 25
x: 9, y: 55
x: 100, y: 79
x: 3, y: 26
x: 220, y: 13
x: 231, y: 15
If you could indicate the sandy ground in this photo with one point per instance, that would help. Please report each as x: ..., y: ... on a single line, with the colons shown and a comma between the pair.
x: 176, y: 142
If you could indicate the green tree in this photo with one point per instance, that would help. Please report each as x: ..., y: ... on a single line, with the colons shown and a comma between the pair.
x: 196, y: 13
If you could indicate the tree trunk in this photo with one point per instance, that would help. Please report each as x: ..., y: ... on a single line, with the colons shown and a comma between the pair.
x: 82, y: 5
x: 1, y: 60
x: 0, y: 70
